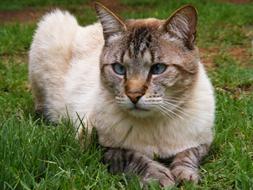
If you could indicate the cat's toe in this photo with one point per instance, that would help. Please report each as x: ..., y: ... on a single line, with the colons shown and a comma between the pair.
x: 160, y: 174
x: 182, y: 174
x: 165, y: 182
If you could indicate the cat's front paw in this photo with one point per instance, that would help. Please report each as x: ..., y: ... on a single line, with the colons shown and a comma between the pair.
x: 159, y: 173
x: 182, y: 174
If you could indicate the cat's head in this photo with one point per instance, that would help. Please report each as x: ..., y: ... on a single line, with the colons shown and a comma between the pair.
x: 149, y: 65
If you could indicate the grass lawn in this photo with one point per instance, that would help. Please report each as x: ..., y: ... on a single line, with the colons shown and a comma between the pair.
x: 35, y: 155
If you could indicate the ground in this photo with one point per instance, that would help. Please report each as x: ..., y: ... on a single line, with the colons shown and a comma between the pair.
x: 36, y: 155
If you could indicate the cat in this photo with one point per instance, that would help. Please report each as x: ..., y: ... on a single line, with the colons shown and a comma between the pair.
x: 139, y: 82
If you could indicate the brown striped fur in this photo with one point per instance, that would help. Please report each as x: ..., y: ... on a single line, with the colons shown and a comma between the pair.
x: 184, y: 166
x: 132, y: 162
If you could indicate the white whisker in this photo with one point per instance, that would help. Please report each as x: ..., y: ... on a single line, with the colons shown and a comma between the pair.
x: 172, y: 112
x: 164, y: 113
x: 190, y: 114
x: 177, y: 109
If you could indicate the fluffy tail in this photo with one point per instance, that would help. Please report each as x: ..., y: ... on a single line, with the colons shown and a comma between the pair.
x: 53, y: 38
x: 49, y: 60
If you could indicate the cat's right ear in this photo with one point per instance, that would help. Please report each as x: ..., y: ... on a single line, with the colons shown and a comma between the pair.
x: 111, y: 23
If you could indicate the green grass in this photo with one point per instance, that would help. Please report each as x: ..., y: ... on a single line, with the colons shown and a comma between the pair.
x: 35, y: 155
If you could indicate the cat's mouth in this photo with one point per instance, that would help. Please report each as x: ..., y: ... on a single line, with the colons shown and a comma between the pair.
x: 139, y: 112
x: 138, y: 108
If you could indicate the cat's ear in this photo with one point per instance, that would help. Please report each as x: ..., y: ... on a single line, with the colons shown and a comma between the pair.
x: 182, y: 24
x: 111, y: 23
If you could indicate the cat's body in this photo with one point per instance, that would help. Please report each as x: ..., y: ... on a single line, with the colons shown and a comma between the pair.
x: 65, y: 73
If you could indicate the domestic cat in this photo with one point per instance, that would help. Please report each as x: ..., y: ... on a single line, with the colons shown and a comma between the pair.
x: 139, y: 82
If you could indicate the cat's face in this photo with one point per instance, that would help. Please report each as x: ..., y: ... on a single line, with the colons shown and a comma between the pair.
x: 145, y: 66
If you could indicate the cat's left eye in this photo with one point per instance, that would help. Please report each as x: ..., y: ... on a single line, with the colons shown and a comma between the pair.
x: 119, y: 68
x: 158, y: 68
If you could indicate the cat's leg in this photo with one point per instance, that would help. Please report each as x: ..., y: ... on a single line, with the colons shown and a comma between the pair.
x: 132, y: 162
x: 184, y: 166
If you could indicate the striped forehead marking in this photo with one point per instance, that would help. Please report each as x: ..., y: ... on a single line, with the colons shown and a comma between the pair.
x: 140, y: 40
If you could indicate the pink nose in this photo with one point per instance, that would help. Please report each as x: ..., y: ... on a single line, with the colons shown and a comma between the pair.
x: 135, y: 89
x: 134, y: 96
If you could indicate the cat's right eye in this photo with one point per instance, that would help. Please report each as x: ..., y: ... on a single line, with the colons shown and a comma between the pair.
x: 119, y: 68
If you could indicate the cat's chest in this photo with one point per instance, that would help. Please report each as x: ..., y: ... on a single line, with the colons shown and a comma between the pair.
x: 151, y: 138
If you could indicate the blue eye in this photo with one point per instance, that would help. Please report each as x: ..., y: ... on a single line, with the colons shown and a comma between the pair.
x: 158, y: 68
x: 119, y: 69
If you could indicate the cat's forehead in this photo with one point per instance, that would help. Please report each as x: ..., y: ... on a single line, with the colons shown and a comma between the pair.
x: 149, y: 23
x: 145, y: 41
x: 140, y: 36
x: 142, y: 30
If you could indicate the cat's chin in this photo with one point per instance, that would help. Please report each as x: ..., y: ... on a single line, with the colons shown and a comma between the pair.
x: 139, y: 112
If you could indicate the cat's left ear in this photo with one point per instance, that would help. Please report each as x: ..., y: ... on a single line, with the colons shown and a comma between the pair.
x: 111, y: 23
x: 182, y: 24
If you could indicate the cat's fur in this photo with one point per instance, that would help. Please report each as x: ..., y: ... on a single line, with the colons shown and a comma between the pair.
x: 70, y: 70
